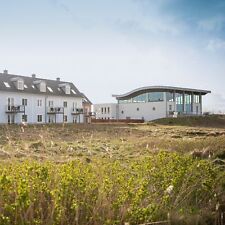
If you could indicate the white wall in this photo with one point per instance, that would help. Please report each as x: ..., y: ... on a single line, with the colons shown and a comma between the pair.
x: 147, y: 111
x: 111, y: 114
x: 32, y: 108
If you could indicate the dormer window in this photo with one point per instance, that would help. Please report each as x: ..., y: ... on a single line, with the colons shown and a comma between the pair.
x: 67, y: 89
x: 42, y: 87
x: 20, y: 85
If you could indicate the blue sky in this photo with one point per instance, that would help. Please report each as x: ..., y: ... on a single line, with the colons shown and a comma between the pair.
x: 111, y: 47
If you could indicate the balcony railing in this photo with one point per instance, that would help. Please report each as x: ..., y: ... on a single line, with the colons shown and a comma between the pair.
x: 77, y: 111
x: 55, y: 110
x: 15, y: 109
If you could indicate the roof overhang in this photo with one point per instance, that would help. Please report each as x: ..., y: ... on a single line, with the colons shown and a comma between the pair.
x: 143, y: 90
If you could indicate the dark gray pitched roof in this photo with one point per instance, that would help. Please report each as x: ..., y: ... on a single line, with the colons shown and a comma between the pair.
x: 29, y: 81
x: 86, y: 99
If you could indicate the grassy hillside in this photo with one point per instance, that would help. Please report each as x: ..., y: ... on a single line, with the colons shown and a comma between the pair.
x: 110, y: 174
x: 202, y: 121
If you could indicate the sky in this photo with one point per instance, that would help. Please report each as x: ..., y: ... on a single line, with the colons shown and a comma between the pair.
x: 110, y: 47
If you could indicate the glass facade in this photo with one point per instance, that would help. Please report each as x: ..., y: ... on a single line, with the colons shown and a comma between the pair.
x: 183, y: 101
x: 179, y: 102
x: 146, y: 97
x: 169, y: 96
x: 187, y: 103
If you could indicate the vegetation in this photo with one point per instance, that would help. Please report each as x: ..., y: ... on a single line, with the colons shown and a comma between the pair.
x: 110, y: 174
x: 108, y: 192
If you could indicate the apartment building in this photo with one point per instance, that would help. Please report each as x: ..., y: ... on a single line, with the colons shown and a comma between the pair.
x: 36, y: 100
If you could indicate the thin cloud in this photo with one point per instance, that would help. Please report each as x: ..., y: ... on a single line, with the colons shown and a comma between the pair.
x: 216, y: 23
x: 216, y: 44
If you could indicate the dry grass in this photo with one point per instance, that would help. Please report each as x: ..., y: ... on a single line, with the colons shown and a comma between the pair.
x: 67, y: 142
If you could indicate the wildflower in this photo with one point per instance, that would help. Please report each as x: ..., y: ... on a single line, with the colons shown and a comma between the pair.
x: 169, y: 189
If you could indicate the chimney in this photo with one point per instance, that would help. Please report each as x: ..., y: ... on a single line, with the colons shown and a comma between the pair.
x: 33, y: 75
x: 58, y: 78
x: 5, y: 71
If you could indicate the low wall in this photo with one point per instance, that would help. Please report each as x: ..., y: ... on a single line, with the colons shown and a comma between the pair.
x: 117, y: 121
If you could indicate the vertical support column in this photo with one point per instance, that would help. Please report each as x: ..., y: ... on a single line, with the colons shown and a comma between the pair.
x: 183, y: 98
x: 174, y: 101
x: 200, y: 102
x: 192, y: 103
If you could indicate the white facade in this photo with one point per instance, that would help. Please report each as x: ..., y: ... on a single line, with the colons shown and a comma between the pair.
x: 106, y: 111
x: 152, y: 103
x: 39, y: 106
x: 32, y: 100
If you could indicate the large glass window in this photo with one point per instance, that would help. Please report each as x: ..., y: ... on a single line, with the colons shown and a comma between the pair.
x: 146, y: 97
x: 169, y: 96
x: 188, y: 103
x: 155, y: 97
x: 140, y: 98
x: 196, y: 99
x: 179, y: 102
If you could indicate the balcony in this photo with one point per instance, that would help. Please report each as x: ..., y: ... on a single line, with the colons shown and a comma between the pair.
x: 15, y: 109
x: 90, y: 114
x: 77, y: 111
x: 55, y: 110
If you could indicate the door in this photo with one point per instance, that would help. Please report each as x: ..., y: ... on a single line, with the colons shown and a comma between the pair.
x: 10, y: 103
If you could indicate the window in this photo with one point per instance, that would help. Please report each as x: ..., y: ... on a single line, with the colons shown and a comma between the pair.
x: 67, y: 89
x: 137, y: 109
x: 73, y: 91
x: 102, y: 110
x: 43, y: 87
x: 169, y: 96
x: 196, y: 99
x: 24, y: 101
x: 140, y: 98
x: 65, y: 118
x: 20, y: 85
x: 39, y: 102
x: 155, y: 97
x: 65, y: 104
x: 39, y: 118
x: 122, y: 112
x: 108, y: 110
x: 50, y: 103
x: 6, y: 84
x: 50, y: 89
x: 105, y: 110
x: 153, y: 108
x: 24, y: 118
x: 170, y: 107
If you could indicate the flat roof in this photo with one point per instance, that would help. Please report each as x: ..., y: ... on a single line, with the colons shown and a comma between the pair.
x: 146, y: 89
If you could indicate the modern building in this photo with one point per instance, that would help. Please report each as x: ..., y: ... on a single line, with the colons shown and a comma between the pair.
x: 153, y: 102
x: 36, y: 100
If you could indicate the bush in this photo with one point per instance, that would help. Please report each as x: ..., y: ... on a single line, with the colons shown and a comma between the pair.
x: 107, y: 192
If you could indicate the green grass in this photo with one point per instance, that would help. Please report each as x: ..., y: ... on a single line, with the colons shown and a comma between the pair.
x: 109, y: 174
x: 203, y: 121
x: 107, y: 191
